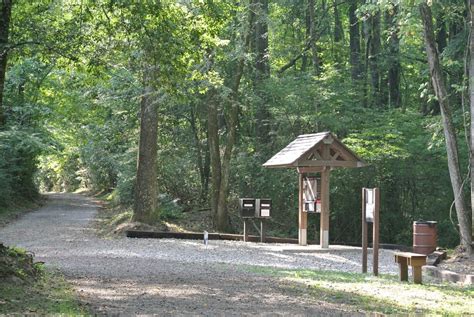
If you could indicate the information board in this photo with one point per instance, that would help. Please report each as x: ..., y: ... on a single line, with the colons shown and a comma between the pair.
x: 369, y: 204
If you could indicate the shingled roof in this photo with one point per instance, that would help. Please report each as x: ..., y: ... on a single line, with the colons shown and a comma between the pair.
x: 305, y: 150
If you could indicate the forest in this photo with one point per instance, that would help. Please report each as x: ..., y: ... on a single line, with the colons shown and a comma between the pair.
x: 173, y: 106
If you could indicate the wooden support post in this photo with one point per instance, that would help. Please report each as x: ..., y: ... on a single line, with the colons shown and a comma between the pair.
x: 416, y: 274
x: 324, y: 229
x: 302, y: 216
x: 364, y: 235
x: 246, y: 230
x: 403, y: 268
x: 262, y: 230
x: 375, y: 239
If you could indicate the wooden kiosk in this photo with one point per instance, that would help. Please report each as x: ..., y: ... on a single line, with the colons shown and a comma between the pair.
x: 309, y: 154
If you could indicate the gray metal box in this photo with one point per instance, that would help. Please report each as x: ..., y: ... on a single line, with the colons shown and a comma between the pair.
x: 247, y: 207
x: 263, y: 208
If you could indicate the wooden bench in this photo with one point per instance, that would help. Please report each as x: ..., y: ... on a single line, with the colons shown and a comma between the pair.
x: 415, y: 260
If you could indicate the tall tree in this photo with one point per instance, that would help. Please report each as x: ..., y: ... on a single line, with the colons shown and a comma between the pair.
x: 159, y: 43
x: 198, y: 129
x: 146, y: 188
x: 221, y: 164
x: 439, y: 86
x: 393, y: 56
x: 338, y: 29
x: 471, y: 101
x: 374, y: 48
x: 219, y: 213
x: 354, y: 41
x: 259, y: 17
x: 441, y: 32
x: 311, y: 36
x: 262, y: 65
x: 5, y: 15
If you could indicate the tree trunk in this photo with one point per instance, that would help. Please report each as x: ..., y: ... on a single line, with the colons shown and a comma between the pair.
x: 367, y: 36
x: 449, y: 131
x: 146, y: 185
x: 262, y: 65
x: 338, y: 30
x: 215, y: 157
x: 307, y: 23
x: 232, y: 122
x: 471, y: 101
x: 5, y: 15
x: 220, y: 167
x: 207, y: 170
x: 393, y: 58
x: 312, y: 37
x: 373, y: 59
x: 441, y: 34
x: 202, y: 154
x: 354, y: 42
x: 222, y: 212
x: 262, y: 68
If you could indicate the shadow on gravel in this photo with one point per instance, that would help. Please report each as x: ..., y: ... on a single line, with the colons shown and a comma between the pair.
x: 197, y: 290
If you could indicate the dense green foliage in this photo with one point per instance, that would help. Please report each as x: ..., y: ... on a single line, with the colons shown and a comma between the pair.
x: 73, y: 91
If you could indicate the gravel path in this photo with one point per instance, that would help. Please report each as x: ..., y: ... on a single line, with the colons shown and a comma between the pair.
x: 143, y: 276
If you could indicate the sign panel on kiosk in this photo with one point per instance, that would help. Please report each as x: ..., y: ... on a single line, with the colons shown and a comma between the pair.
x: 311, y: 196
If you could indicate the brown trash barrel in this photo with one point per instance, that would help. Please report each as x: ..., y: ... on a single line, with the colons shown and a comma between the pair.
x: 425, y: 237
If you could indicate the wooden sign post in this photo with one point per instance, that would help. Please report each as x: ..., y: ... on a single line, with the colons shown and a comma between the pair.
x: 370, y: 213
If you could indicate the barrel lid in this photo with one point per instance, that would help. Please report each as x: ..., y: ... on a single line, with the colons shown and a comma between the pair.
x: 424, y: 222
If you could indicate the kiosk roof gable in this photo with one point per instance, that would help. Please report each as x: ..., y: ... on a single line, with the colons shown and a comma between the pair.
x: 293, y: 155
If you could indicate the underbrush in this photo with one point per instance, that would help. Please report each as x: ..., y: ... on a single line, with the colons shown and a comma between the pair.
x: 114, y: 219
x: 17, y: 208
x: 27, y: 287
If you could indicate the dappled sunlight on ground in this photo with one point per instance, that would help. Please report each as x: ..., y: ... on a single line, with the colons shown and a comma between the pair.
x: 437, y: 299
x: 167, y: 276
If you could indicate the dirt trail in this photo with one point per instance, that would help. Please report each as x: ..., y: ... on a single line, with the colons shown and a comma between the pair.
x: 142, y: 276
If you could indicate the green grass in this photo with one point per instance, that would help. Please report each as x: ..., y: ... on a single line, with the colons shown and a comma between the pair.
x: 49, y: 294
x: 27, y: 287
x: 383, y: 294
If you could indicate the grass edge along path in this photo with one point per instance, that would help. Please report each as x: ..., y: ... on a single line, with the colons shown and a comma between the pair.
x: 28, y: 288
x: 50, y: 294
x: 383, y: 294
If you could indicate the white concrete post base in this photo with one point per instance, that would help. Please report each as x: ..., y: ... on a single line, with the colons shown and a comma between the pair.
x: 324, y: 239
x: 302, y: 237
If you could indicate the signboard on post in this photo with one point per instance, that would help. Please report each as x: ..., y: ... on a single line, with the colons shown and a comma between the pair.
x: 369, y: 204
x: 370, y: 214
